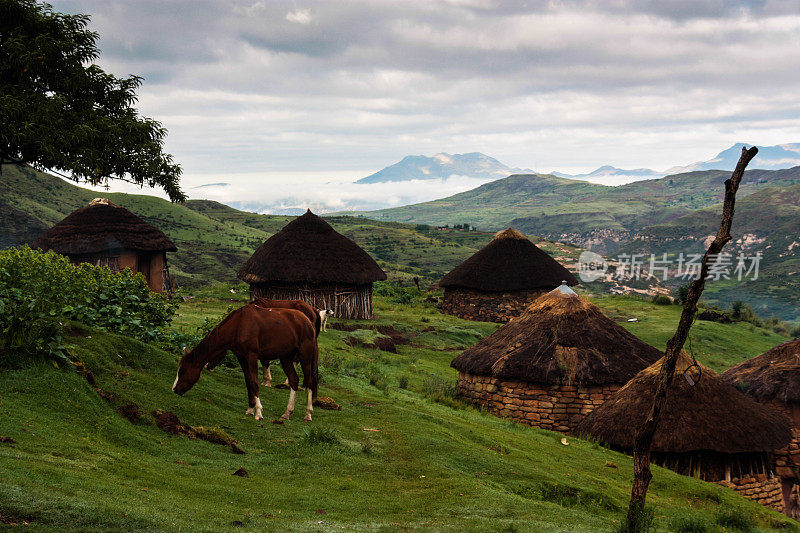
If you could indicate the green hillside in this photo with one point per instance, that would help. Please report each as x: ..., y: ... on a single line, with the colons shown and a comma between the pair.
x: 402, y: 454
x: 582, y: 212
x: 767, y: 221
x: 214, y: 240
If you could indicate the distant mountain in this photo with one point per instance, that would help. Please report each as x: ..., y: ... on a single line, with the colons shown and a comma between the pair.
x: 441, y: 166
x: 769, y: 157
x: 608, y: 175
x: 776, y: 157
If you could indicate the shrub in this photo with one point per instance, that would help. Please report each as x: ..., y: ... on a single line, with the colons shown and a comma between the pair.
x: 735, y: 520
x: 321, y: 436
x: 689, y: 524
x: 643, y: 518
x: 680, y: 294
x: 39, y: 292
x: 661, y: 299
x: 440, y: 391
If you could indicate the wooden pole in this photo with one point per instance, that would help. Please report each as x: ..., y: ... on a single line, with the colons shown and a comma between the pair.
x: 644, y: 439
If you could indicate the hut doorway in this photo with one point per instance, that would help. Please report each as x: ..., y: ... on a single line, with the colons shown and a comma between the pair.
x: 143, y: 266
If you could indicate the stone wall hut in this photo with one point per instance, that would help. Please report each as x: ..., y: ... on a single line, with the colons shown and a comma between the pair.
x: 708, y: 430
x: 773, y: 379
x: 104, y: 234
x: 553, y: 365
x: 308, y: 260
x: 501, y: 279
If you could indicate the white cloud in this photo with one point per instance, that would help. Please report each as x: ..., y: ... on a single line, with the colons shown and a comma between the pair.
x: 245, y: 88
x: 301, y: 16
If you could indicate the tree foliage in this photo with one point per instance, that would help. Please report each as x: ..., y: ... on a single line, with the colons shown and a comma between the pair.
x: 61, y: 111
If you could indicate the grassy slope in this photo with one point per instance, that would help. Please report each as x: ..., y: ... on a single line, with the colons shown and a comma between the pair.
x: 771, y: 219
x: 78, y: 464
x: 558, y: 206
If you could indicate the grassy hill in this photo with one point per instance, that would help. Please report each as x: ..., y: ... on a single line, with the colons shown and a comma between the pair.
x: 214, y: 240
x: 580, y: 212
x: 402, y: 454
x: 767, y: 221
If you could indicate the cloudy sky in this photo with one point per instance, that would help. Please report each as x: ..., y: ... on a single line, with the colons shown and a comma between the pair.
x: 284, y: 97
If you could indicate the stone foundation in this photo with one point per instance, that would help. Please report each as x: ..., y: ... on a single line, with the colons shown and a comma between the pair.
x: 787, y: 460
x: 501, y: 307
x: 760, y: 488
x: 553, y: 407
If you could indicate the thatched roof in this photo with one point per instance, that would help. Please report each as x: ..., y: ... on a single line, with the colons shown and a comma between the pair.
x: 509, y: 263
x: 102, y: 226
x: 709, y: 416
x: 309, y: 250
x: 560, y: 338
x: 773, y: 375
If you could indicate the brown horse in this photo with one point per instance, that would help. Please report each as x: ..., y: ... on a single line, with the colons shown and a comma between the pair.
x: 311, y: 312
x: 255, y: 335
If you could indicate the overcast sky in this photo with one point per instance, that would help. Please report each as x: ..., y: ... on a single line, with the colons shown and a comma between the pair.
x: 342, y: 89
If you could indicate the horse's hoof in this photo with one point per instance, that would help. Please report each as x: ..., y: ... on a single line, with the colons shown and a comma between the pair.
x: 248, y: 412
x: 284, y: 416
x: 259, y: 417
x: 307, y: 419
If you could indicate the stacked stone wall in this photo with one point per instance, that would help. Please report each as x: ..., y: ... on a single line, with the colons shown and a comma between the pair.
x: 787, y: 460
x: 760, y: 488
x: 553, y: 407
x: 498, y: 307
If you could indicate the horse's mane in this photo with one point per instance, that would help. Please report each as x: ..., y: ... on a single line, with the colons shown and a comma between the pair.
x: 206, y: 343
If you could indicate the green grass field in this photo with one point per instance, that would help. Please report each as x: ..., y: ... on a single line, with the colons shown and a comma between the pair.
x: 402, y: 455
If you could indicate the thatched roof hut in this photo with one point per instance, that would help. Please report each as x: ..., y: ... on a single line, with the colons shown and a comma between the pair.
x: 501, y: 279
x: 563, y: 355
x: 773, y: 379
x: 773, y: 375
x: 709, y: 429
x: 309, y: 260
x: 106, y: 234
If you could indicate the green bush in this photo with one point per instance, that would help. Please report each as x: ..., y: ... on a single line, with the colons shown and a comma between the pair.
x: 40, y: 292
x: 689, y: 524
x: 735, y: 520
x: 660, y: 299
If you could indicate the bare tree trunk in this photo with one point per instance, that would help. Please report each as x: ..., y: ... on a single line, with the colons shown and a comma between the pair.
x: 644, y: 439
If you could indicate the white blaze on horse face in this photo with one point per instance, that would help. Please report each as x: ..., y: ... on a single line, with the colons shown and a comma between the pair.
x: 176, y: 381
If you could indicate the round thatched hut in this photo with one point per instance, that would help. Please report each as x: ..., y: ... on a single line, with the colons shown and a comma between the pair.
x: 308, y: 260
x: 105, y: 234
x: 773, y: 379
x: 708, y: 429
x: 501, y: 279
x: 553, y: 365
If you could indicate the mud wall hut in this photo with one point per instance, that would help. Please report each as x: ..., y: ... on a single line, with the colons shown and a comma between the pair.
x: 309, y: 260
x: 773, y: 379
x: 105, y: 234
x: 553, y: 365
x: 708, y: 429
x: 500, y: 280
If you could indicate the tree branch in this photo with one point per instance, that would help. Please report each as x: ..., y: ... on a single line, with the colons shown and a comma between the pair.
x: 644, y: 439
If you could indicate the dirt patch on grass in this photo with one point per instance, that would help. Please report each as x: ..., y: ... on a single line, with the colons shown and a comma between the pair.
x: 169, y: 422
x: 381, y: 343
x: 131, y: 412
x: 397, y: 336
x: 7, y: 440
x: 326, y: 402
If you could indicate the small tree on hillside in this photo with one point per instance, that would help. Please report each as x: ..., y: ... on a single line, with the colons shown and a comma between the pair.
x: 644, y: 438
x: 60, y: 111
